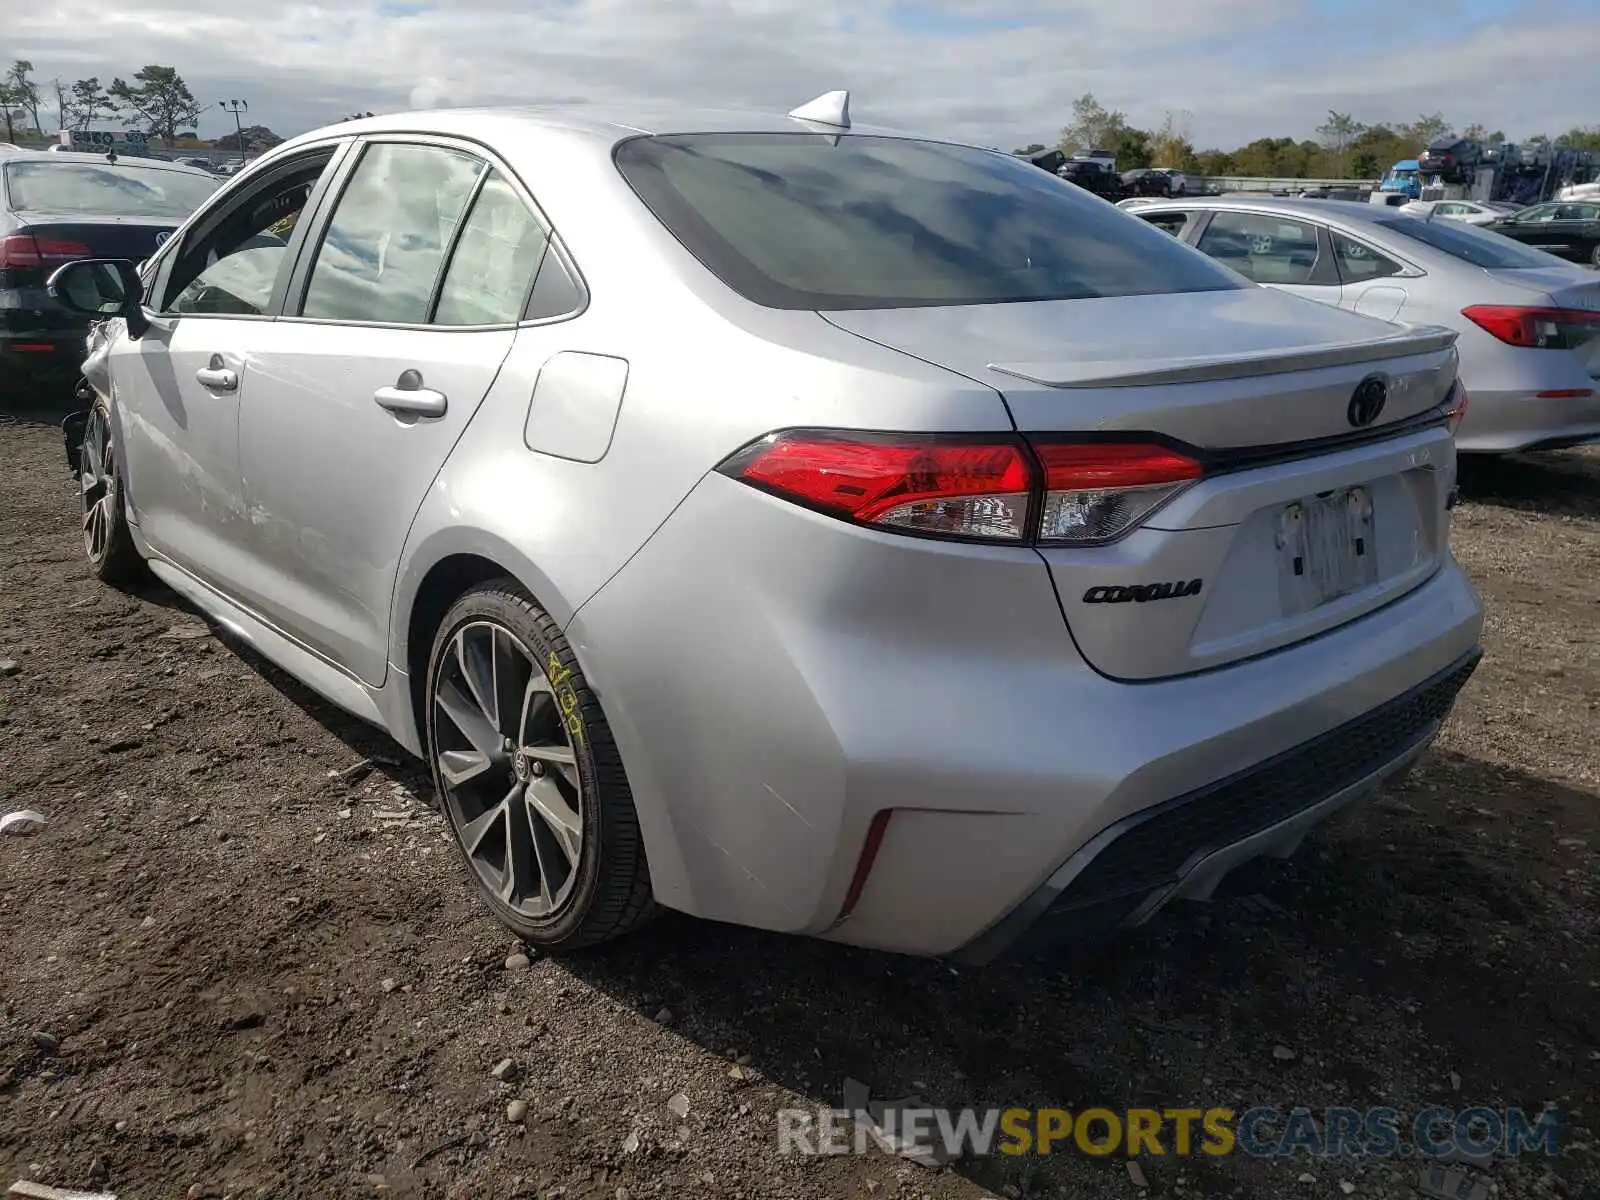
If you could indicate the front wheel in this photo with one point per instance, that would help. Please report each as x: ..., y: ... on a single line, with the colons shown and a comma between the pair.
x: 1594, y: 255
x: 107, y: 541
x: 529, y: 777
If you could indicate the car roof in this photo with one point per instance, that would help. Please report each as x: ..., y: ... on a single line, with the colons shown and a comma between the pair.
x: 1334, y: 210
x: 595, y: 123
x: 123, y: 160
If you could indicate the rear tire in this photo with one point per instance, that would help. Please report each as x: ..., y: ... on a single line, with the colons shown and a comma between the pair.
x: 529, y: 777
x: 1594, y: 255
x: 107, y: 540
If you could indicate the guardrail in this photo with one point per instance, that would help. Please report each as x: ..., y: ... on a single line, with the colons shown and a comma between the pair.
x: 1262, y: 183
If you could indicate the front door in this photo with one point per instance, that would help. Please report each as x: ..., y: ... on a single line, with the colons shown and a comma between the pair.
x: 403, y: 317
x: 179, y: 387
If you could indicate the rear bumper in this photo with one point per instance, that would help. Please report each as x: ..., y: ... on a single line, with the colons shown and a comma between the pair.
x: 27, y: 354
x: 1505, y: 422
x: 1182, y: 849
x: 776, y: 681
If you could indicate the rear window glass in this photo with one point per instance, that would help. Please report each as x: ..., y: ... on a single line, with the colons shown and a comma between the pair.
x: 812, y: 221
x: 104, y: 190
x: 1480, y: 247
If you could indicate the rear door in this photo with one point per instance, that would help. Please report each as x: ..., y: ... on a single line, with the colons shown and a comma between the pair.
x: 1372, y: 283
x: 400, y: 317
x: 1287, y: 253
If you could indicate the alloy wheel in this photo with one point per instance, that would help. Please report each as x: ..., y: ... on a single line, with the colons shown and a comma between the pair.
x: 508, y: 768
x: 97, y: 478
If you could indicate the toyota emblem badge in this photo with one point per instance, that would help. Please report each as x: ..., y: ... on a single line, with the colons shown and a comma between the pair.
x: 1371, y: 394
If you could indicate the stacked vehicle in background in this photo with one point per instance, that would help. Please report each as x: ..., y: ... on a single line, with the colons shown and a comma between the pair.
x: 1454, y: 168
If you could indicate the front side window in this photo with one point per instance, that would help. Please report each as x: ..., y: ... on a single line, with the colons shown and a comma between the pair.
x: 495, y: 260
x: 75, y: 189
x: 230, y: 261
x: 1480, y: 247
x: 1263, y: 247
x: 813, y: 221
x: 1359, y: 262
x: 388, y: 236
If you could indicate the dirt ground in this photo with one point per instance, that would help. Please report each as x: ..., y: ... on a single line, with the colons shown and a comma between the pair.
x: 227, y: 971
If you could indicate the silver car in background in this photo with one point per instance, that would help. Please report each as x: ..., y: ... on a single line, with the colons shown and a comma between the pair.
x: 1529, y: 322
x: 794, y: 524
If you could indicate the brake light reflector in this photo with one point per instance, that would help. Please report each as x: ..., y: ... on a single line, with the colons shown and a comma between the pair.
x: 1536, y: 328
x: 1097, y: 491
x: 918, y: 484
x: 21, y: 251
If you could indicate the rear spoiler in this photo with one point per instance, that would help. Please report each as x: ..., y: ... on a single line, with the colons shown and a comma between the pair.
x: 1207, y: 368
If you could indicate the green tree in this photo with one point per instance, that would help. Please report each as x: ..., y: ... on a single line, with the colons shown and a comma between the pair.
x: 10, y: 111
x: 1583, y: 137
x: 159, y: 99
x: 1092, y: 127
x: 87, y: 102
x: 1337, y: 132
x: 1170, y: 145
x: 1214, y: 162
x: 24, y: 91
x: 1425, y: 129
x: 1129, y: 146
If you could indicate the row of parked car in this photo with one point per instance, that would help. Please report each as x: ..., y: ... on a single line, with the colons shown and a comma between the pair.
x: 1528, y: 323
x: 777, y: 520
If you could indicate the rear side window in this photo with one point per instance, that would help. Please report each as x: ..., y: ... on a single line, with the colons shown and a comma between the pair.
x: 1359, y: 262
x: 1480, y: 247
x: 799, y: 220
x: 1168, y: 222
x: 1263, y: 246
x: 389, y: 234
x: 495, y: 260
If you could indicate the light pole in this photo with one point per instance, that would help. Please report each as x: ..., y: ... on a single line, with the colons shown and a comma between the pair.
x: 236, y: 107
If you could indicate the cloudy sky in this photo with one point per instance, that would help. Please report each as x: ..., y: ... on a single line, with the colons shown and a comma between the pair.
x: 1001, y: 72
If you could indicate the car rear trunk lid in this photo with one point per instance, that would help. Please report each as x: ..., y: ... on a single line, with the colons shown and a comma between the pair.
x: 1309, y: 515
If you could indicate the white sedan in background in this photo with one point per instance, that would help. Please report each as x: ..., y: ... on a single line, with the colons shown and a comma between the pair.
x: 1473, y: 212
x: 1529, y: 322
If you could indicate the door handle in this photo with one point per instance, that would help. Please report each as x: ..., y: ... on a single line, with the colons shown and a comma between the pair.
x: 218, y: 379
x: 408, y: 396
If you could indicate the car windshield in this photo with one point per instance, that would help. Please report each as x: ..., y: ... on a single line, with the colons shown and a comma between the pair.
x: 1469, y: 243
x: 798, y: 220
x: 104, y: 189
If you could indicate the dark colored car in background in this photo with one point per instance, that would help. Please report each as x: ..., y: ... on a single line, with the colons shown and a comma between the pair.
x: 57, y: 207
x: 1569, y: 229
x: 1452, y: 159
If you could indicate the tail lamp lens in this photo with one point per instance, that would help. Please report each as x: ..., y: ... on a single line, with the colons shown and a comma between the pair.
x: 1080, y: 493
x: 21, y: 251
x: 969, y: 489
x: 1096, y: 492
x: 1536, y: 328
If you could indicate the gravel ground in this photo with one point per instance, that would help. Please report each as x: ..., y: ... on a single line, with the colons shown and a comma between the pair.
x: 231, y: 966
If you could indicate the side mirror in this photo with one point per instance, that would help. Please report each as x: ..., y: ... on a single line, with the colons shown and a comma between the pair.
x: 100, y: 288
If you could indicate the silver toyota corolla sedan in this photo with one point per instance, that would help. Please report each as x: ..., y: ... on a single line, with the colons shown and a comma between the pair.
x: 790, y: 523
x: 1529, y: 321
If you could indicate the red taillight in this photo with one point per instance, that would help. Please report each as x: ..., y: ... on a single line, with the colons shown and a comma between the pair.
x: 1097, y: 491
x: 22, y: 251
x: 965, y: 488
x: 1075, y: 493
x: 1537, y: 328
